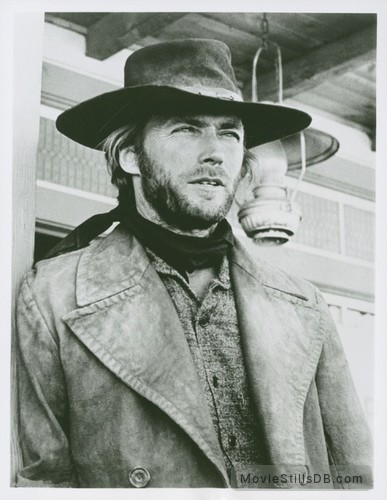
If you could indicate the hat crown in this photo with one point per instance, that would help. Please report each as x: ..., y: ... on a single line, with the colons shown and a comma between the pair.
x: 187, y: 63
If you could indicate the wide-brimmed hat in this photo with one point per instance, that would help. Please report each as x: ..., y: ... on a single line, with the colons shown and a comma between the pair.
x: 190, y: 75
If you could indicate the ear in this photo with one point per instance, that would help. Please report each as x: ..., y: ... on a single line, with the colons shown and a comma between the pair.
x: 128, y: 161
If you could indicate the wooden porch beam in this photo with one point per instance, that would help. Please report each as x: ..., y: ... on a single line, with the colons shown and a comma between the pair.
x: 328, y: 61
x: 26, y: 95
x: 118, y: 31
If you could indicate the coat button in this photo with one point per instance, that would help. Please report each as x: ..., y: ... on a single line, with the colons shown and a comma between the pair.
x: 139, y: 477
x: 204, y: 320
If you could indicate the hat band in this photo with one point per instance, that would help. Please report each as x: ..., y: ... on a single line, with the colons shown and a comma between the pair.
x: 216, y: 92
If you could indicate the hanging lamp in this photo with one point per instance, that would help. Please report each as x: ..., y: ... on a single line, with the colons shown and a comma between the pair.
x: 270, y: 215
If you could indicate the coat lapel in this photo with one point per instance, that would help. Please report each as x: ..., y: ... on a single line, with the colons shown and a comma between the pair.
x: 282, y: 342
x: 128, y: 321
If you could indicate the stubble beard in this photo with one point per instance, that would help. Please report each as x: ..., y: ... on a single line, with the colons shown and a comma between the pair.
x: 173, y: 206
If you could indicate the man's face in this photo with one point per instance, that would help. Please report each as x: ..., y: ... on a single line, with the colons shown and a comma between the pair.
x: 190, y: 167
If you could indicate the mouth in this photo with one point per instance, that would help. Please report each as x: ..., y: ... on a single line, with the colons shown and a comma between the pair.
x: 208, y: 181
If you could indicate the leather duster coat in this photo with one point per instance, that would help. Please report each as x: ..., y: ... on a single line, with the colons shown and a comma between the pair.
x: 107, y: 383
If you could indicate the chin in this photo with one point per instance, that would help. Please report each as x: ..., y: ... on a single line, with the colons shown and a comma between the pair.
x: 208, y: 204
x: 196, y: 217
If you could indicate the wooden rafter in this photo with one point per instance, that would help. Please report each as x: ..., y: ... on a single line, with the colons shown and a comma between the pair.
x: 319, y: 65
x: 117, y: 31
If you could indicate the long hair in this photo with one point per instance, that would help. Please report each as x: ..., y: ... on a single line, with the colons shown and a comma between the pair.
x: 124, y: 137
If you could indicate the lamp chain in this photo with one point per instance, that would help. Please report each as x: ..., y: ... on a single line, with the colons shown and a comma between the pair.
x: 265, y: 46
x: 265, y: 31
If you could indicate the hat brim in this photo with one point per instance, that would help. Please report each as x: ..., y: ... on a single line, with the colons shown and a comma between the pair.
x: 91, y: 122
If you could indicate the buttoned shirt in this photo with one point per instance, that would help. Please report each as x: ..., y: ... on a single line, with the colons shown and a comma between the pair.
x: 212, y: 333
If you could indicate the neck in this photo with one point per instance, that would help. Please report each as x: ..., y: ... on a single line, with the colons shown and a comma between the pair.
x: 148, y: 212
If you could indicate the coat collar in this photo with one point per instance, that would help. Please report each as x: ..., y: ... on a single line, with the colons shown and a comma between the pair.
x: 98, y: 278
x: 263, y: 273
x: 109, y: 266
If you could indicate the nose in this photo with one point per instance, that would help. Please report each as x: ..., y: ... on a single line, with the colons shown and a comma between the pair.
x: 211, y: 152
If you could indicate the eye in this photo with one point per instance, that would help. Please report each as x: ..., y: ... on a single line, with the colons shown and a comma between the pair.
x: 232, y: 134
x: 185, y: 129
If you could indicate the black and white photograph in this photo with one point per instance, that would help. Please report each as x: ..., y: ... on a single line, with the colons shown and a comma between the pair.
x: 192, y: 273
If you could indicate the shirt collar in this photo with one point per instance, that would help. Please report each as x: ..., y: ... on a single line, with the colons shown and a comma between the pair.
x: 222, y: 278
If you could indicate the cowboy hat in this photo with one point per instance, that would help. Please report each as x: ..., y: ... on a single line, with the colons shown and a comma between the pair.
x: 173, y: 77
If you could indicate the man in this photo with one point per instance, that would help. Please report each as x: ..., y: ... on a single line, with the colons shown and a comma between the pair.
x: 164, y: 355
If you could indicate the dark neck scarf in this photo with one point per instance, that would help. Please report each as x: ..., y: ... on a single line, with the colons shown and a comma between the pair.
x: 184, y: 253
